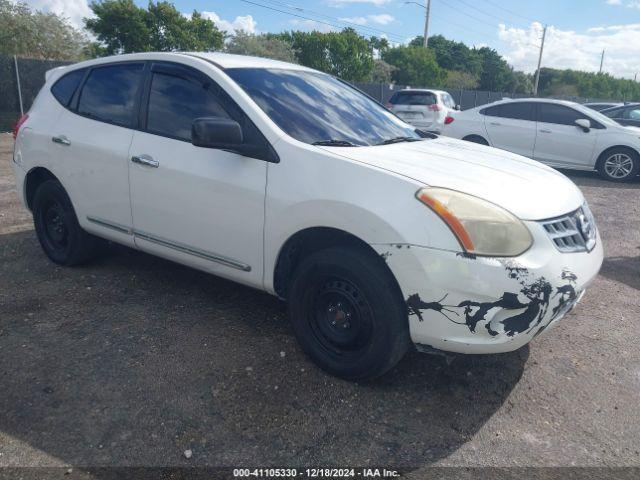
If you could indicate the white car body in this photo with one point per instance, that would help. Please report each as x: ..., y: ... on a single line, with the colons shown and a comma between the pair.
x: 233, y: 216
x: 430, y: 117
x: 555, y: 144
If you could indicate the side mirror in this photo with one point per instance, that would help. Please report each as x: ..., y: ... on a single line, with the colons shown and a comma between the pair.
x: 216, y: 132
x: 584, y: 124
x: 457, y: 107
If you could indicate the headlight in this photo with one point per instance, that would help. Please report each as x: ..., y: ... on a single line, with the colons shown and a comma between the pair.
x: 481, y: 227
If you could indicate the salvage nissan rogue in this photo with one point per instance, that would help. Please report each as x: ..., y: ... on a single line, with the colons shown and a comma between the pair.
x: 291, y: 181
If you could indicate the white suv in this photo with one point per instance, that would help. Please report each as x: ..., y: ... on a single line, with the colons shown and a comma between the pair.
x: 425, y: 109
x: 555, y: 132
x: 291, y: 181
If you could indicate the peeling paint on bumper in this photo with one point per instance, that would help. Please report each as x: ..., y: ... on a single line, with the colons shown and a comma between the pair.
x: 467, y: 304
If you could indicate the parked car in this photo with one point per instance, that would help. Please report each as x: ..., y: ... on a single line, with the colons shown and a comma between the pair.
x: 599, y: 106
x: 425, y: 109
x: 288, y: 180
x: 626, y: 115
x: 555, y: 132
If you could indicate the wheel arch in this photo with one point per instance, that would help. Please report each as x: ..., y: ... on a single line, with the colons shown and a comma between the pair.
x: 602, y: 155
x: 312, y: 239
x: 471, y: 136
x: 34, y: 178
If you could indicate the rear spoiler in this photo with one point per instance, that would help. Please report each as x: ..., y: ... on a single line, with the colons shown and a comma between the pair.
x: 48, y: 73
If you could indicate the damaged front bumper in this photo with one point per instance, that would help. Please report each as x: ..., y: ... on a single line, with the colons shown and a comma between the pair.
x: 465, y: 304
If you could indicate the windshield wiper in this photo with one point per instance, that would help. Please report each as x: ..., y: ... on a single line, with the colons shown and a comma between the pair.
x: 389, y: 141
x: 334, y: 143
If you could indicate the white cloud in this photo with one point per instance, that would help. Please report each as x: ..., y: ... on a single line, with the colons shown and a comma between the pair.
x: 634, y: 4
x: 342, y: 3
x: 356, y: 20
x: 578, y: 51
x: 73, y: 10
x: 245, y: 23
x: 382, y: 19
x: 614, y: 2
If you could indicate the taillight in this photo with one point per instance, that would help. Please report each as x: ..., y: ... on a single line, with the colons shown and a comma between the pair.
x: 448, y: 119
x: 388, y: 105
x: 16, y: 127
x: 435, y: 107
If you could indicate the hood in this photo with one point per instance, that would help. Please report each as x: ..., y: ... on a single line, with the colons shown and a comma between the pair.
x: 526, y: 188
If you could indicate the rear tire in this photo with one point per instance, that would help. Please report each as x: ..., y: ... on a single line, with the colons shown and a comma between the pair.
x: 57, y: 228
x: 619, y: 164
x: 348, y: 313
x: 476, y: 139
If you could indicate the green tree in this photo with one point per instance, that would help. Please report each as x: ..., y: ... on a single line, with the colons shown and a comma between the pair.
x: 382, y: 72
x: 460, y: 80
x: 344, y: 54
x: 265, y: 45
x: 414, y: 66
x: 496, y: 74
x: 35, y: 34
x: 453, y: 55
x: 123, y: 27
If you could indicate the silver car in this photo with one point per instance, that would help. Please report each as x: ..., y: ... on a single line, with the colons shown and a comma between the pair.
x: 425, y: 109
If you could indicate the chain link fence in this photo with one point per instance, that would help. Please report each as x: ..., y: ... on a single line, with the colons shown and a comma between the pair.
x: 22, y: 78
x: 20, y: 81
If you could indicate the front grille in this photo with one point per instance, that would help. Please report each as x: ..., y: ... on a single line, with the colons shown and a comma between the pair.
x: 574, y: 232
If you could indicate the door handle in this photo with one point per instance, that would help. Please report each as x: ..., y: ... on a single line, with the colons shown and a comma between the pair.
x: 495, y: 124
x: 145, y: 160
x: 545, y: 131
x: 61, y: 139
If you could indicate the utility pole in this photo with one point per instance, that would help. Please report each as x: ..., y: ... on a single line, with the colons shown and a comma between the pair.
x: 535, y: 88
x: 426, y: 24
x: 635, y: 77
x: 601, y: 61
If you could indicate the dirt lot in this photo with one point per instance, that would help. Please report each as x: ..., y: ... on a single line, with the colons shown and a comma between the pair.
x: 132, y: 360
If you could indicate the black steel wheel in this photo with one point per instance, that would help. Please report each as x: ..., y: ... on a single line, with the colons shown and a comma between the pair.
x: 57, y: 228
x: 347, y: 312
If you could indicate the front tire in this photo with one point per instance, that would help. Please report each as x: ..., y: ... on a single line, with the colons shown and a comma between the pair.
x: 619, y: 165
x: 348, y: 313
x: 57, y: 228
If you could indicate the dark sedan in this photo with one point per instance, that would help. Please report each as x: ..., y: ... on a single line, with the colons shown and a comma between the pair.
x: 625, y: 115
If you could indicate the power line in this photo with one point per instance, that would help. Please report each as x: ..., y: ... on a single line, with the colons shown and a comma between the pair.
x: 511, y: 12
x: 291, y: 6
x: 335, y: 23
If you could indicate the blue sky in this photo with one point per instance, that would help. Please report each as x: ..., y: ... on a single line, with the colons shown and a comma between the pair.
x: 578, y: 29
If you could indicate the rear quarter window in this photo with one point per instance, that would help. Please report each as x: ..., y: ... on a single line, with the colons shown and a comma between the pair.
x: 66, y: 86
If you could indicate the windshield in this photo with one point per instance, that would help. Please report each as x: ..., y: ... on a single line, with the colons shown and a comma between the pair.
x: 316, y: 108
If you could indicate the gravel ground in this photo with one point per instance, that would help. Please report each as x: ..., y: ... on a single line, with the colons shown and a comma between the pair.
x: 132, y: 360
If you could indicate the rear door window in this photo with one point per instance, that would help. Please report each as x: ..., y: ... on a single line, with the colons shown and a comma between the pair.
x: 66, y: 86
x: 413, y: 98
x: 515, y: 110
x: 110, y: 94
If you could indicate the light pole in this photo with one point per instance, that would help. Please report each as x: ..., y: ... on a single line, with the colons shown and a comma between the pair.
x: 427, y: 7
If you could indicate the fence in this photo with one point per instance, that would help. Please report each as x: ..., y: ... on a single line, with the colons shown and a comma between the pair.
x: 30, y: 73
x: 21, y: 85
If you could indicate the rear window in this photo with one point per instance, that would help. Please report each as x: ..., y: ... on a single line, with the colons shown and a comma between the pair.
x: 110, y: 93
x: 413, y: 98
x: 66, y: 86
